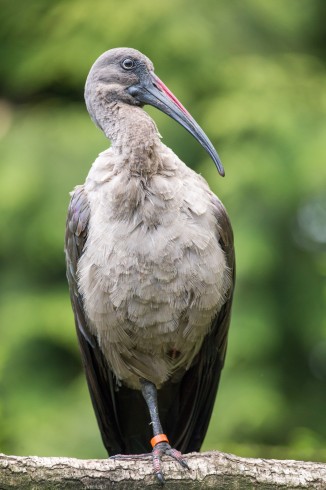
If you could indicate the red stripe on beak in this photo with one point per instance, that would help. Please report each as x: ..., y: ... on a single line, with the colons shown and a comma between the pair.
x: 161, y: 86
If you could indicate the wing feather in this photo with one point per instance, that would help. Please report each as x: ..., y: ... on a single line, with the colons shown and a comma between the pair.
x: 186, y: 406
x: 99, y: 377
x: 198, y: 388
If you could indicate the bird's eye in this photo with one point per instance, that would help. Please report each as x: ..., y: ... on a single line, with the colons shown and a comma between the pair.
x: 128, y: 64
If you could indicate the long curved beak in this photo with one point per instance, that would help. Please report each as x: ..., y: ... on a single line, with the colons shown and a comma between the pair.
x: 151, y: 90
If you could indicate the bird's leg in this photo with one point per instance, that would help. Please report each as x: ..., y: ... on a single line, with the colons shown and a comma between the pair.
x: 159, y: 442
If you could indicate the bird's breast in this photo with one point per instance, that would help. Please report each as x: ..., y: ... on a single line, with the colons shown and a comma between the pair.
x: 152, y: 276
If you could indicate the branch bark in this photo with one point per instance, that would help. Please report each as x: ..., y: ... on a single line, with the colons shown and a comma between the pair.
x: 207, y: 470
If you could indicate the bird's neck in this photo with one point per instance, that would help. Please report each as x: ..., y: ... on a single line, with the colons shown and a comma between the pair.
x: 134, y: 137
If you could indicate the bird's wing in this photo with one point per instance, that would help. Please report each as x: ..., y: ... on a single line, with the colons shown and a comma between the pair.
x: 99, y: 377
x: 186, y: 406
x: 188, y: 418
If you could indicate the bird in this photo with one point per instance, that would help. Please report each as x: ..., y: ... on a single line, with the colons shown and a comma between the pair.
x: 151, y: 270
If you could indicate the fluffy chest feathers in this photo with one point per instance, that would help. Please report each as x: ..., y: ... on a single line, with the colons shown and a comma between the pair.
x: 153, y: 274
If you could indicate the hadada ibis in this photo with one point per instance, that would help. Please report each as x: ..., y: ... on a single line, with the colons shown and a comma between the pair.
x: 150, y: 266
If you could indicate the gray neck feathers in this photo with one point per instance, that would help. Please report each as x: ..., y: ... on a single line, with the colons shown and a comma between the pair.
x: 133, y: 134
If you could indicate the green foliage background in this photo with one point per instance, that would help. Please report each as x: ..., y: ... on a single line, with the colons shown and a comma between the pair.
x: 253, y: 74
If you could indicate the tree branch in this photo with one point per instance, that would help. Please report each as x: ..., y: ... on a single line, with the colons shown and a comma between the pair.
x: 207, y: 470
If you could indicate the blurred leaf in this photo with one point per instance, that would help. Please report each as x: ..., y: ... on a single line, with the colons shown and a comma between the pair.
x: 253, y: 75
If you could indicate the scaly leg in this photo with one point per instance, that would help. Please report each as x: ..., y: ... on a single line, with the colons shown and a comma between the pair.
x: 160, y: 442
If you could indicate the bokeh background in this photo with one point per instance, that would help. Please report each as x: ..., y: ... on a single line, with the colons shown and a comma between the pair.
x: 253, y: 74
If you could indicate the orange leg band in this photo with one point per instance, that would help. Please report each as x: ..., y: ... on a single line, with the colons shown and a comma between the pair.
x: 159, y: 438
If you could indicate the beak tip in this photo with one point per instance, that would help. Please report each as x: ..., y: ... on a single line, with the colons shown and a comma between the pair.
x: 219, y: 166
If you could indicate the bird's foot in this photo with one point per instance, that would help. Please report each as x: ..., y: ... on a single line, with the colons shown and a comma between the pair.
x: 157, y: 453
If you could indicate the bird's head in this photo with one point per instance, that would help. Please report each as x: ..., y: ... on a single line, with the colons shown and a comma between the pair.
x: 127, y: 76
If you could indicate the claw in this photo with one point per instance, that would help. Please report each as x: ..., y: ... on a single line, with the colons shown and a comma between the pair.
x: 160, y: 478
x: 185, y: 464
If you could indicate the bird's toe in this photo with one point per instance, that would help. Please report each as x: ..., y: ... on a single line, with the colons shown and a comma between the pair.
x: 175, y: 454
x: 158, y: 451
